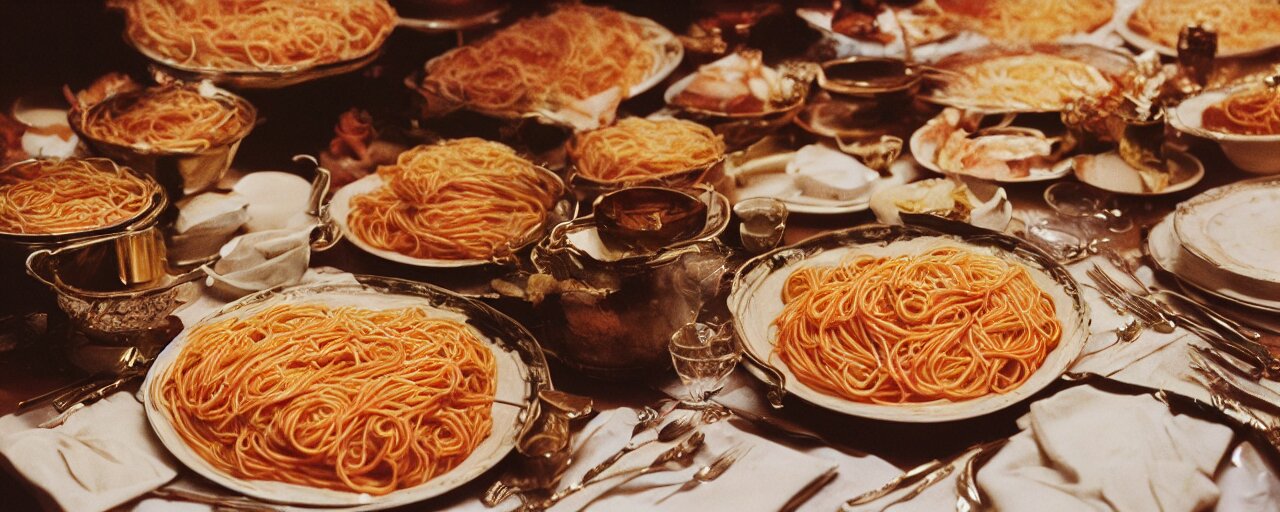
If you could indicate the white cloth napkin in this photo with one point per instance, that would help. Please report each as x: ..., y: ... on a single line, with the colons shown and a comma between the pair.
x: 258, y: 261
x: 103, y: 456
x: 1085, y: 449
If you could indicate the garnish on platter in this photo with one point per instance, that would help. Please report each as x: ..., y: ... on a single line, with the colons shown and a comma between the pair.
x: 954, y: 143
x: 356, y: 150
x: 740, y: 97
x: 981, y: 204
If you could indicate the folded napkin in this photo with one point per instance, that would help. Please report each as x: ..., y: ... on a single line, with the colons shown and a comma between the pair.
x: 1085, y: 449
x: 785, y: 471
x: 261, y: 260
x: 103, y: 456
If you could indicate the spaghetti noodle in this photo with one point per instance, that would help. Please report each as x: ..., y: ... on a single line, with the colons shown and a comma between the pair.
x: 67, y: 196
x: 947, y: 324
x: 570, y: 55
x: 637, y: 148
x: 458, y: 199
x: 166, y: 118
x: 258, y: 35
x: 1242, y: 25
x: 1245, y: 113
x: 1035, y: 81
x: 338, y: 398
x: 1030, y: 20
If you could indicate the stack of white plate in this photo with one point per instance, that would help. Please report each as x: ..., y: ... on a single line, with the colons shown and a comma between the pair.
x: 1226, y: 242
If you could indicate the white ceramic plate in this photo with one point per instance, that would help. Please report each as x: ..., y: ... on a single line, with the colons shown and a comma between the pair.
x: 756, y: 301
x: 1236, y: 228
x: 1108, y: 171
x: 513, y: 386
x: 768, y: 177
x: 1167, y: 252
x: 340, y: 209
x: 925, y: 155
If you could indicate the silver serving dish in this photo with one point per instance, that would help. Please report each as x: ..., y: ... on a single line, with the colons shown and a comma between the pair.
x: 122, y: 285
x: 115, y: 285
x: 615, y: 311
x: 741, y: 129
x: 180, y: 172
x: 148, y: 217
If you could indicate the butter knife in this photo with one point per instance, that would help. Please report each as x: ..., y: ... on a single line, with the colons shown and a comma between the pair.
x: 809, y: 491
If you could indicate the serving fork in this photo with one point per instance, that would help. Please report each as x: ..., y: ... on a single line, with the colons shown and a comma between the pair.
x: 1163, y: 295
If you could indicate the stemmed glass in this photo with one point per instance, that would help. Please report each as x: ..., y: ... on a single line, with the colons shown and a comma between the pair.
x: 703, y: 355
x: 1075, y: 199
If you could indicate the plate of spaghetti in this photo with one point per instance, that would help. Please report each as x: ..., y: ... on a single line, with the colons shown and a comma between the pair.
x: 903, y: 323
x: 1244, y: 119
x: 1244, y: 27
x: 571, y: 67
x: 51, y: 199
x: 669, y: 152
x: 1028, y: 78
x: 265, y: 43
x: 167, y: 119
x: 1030, y: 21
x: 456, y: 203
x: 371, y: 394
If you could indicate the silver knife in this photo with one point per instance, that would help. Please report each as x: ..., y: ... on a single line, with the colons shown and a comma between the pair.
x: 907, y: 478
x: 809, y: 491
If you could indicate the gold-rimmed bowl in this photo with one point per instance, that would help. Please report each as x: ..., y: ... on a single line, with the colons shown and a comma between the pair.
x: 181, y: 173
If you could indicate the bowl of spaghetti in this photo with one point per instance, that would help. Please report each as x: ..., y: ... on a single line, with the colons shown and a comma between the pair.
x: 426, y: 388
x: 185, y: 135
x: 1243, y: 119
x: 1025, y: 78
x: 262, y: 44
x: 671, y: 153
x: 600, y: 57
x: 931, y: 326
x: 1244, y: 27
x: 456, y: 203
x: 46, y: 202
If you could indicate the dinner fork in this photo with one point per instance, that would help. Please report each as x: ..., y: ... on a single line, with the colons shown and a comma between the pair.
x: 1146, y: 312
x: 719, y: 466
x: 1126, y: 267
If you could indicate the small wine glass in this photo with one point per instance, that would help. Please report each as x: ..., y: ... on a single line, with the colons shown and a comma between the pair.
x: 1080, y: 201
x: 763, y: 221
x: 703, y: 355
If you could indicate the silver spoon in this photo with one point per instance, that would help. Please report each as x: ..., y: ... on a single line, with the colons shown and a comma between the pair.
x: 670, y: 432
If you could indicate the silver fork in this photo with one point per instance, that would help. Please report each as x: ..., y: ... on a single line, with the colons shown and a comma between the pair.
x: 1146, y: 312
x: 711, y: 471
x: 1126, y: 267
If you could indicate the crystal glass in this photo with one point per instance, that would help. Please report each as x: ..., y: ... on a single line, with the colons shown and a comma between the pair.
x: 1096, y: 208
x: 763, y: 220
x: 703, y: 355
